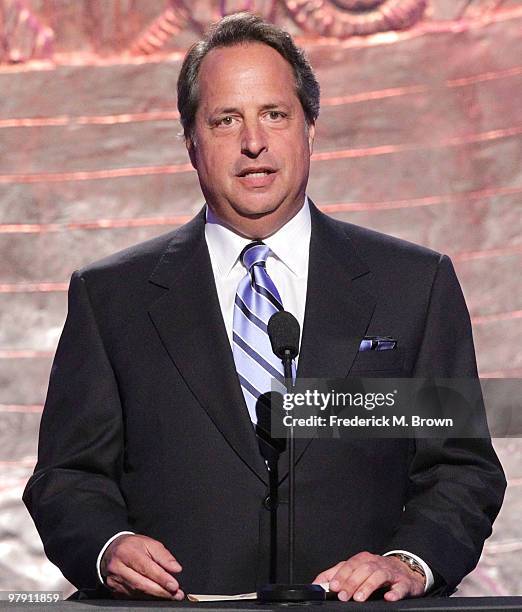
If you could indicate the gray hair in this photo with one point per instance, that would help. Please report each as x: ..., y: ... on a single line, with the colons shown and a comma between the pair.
x: 236, y: 29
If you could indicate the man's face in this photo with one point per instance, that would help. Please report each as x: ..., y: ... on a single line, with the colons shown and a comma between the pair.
x: 252, y: 145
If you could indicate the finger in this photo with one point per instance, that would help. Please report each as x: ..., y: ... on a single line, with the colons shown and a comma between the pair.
x: 136, y: 581
x: 143, y: 564
x: 398, y: 591
x: 163, y: 557
x: 117, y: 587
x: 328, y: 574
x: 349, y: 566
x: 376, y: 580
x: 120, y: 591
x: 340, y: 578
x: 352, y: 583
x: 180, y: 595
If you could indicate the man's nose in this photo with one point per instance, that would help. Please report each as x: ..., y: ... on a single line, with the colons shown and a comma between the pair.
x: 253, y: 139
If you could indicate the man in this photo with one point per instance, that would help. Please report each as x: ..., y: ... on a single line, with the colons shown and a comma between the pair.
x: 149, y: 476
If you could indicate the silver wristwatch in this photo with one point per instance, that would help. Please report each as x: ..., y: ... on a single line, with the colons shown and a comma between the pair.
x: 413, y: 564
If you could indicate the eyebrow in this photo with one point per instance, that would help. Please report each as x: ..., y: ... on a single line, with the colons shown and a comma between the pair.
x: 234, y: 109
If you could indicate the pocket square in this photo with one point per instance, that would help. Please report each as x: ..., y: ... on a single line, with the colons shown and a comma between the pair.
x: 377, y: 343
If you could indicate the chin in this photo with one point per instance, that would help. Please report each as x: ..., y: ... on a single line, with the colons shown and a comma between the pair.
x: 257, y: 211
x: 266, y: 201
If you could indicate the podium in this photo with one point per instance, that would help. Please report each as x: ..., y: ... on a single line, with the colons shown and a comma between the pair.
x: 443, y: 604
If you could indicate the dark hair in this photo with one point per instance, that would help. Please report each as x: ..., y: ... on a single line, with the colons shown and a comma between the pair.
x: 234, y: 30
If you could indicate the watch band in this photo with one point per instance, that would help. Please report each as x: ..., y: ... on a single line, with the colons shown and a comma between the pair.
x: 414, y: 565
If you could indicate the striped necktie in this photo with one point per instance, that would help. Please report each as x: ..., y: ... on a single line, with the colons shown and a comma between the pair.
x: 257, y: 299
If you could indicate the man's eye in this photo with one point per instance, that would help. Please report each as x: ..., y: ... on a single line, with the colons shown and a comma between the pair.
x: 275, y: 115
x: 225, y: 121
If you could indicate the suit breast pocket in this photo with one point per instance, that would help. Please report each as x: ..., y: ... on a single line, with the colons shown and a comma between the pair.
x: 378, y: 361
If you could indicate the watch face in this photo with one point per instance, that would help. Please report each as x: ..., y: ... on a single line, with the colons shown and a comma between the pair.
x: 416, y: 567
x: 411, y: 563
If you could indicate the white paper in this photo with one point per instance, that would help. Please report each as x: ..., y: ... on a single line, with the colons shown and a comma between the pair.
x: 241, y: 596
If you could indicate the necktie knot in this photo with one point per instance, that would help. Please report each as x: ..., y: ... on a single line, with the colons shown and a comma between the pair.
x: 254, y: 253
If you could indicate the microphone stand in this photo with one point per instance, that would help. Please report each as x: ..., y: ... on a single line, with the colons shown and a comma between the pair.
x: 273, y: 483
x: 289, y: 384
x: 270, y: 450
x: 287, y: 592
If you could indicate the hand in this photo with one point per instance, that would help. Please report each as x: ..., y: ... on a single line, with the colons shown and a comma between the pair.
x: 136, y: 566
x: 362, y: 574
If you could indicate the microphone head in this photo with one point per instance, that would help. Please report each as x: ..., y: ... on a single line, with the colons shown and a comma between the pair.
x: 283, y: 331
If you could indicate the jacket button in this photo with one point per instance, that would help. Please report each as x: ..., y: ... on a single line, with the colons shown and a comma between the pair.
x: 267, y: 502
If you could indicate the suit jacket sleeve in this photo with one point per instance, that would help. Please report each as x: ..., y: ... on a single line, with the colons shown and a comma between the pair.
x: 73, y: 494
x: 456, y: 485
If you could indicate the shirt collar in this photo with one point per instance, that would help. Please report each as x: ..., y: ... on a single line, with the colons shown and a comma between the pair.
x: 290, y: 243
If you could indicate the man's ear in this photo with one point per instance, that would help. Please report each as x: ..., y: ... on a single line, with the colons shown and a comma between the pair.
x: 191, y: 149
x: 311, y: 136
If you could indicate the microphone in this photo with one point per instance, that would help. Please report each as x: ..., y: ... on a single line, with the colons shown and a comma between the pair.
x: 283, y: 331
x: 266, y: 406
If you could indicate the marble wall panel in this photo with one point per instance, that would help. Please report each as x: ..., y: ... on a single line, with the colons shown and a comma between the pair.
x: 23, y: 565
x: 439, y: 113
x: 511, y: 451
x: 19, y: 437
x: 453, y: 228
x: 54, y: 256
x: 24, y: 380
x: 449, y: 55
x: 31, y: 320
x: 115, y: 88
x: 487, y: 287
x: 497, y: 347
x: 92, y: 147
x: 425, y: 172
x: 155, y: 195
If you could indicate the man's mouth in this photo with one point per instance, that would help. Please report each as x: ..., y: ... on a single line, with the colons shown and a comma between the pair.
x: 256, y: 172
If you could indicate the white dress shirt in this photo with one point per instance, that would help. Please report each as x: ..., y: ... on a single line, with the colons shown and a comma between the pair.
x: 287, y: 266
x: 287, y: 263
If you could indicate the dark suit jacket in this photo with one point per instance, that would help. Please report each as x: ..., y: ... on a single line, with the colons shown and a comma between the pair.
x: 145, y: 427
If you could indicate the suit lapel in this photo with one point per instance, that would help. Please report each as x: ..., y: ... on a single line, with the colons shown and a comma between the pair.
x: 189, y: 321
x: 338, y: 309
x: 339, y: 305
